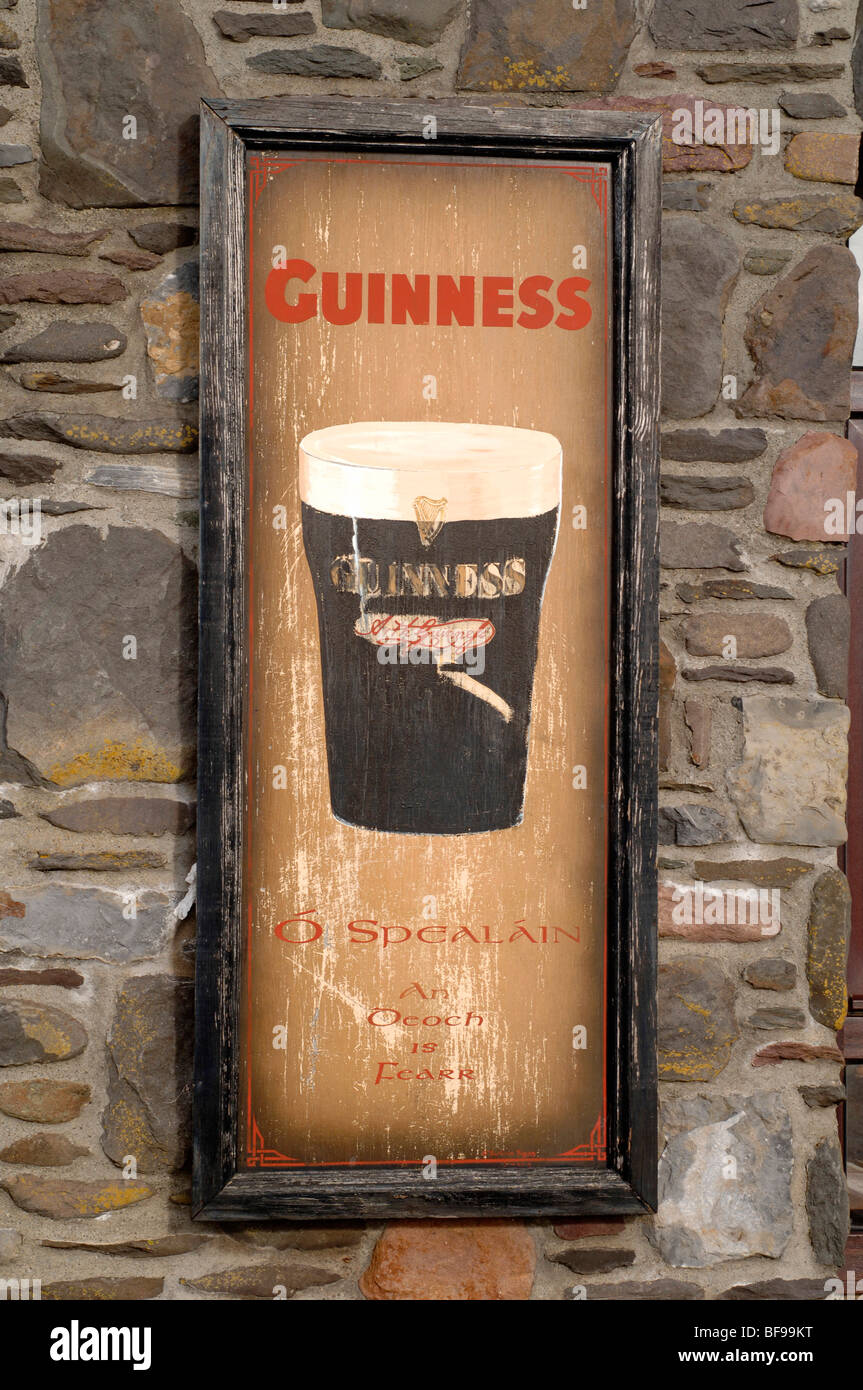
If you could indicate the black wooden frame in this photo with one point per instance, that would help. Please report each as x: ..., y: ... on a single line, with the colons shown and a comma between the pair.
x: 631, y: 143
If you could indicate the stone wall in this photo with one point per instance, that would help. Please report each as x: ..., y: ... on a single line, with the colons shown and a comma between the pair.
x: 98, y: 341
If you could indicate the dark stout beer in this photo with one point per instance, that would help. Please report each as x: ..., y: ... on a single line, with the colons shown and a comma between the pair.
x: 429, y: 546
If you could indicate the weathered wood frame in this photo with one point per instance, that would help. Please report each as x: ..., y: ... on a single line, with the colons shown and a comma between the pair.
x: 631, y: 143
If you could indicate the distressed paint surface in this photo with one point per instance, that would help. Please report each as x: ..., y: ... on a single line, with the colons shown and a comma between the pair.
x: 315, y: 1100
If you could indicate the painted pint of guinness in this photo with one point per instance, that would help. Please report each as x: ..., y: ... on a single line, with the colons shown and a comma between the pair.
x: 429, y: 545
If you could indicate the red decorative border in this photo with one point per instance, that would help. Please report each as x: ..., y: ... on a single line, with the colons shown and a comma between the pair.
x: 259, y: 168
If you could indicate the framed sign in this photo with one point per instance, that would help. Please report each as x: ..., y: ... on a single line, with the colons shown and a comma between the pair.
x: 426, y: 862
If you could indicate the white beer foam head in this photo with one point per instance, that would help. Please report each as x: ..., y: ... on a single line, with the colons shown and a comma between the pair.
x: 378, y: 469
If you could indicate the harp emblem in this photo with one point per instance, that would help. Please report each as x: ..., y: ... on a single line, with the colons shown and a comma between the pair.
x: 430, y: 517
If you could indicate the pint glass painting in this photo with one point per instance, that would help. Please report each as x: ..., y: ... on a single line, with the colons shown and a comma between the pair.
x: 427, y: 530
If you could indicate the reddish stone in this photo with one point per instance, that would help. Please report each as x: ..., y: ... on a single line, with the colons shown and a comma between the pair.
x: 667, y: 674
x: 663, y: 70
x: 698, y: 722
x: 825, y: 158
x: 65, y: 979
x: 678, y: 158
x: 815, y: 471
x: 62, y: 287
x: 795, y: 1052
x: 43, y: 1151
x: 447, y: 1261
x: 741, y: 913
x: 45, y: 1102
x: 589, y: 1226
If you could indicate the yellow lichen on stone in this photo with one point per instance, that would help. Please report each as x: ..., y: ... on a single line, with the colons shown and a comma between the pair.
x: 525, y: 73
x: 117, y: 762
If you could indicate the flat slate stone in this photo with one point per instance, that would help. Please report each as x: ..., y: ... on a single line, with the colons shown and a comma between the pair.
x: 752, y: 634
x: 829, y: 214
x: 560, y: 50
x: 65, y: 341
x: 775, y: 1291
x: 77, y: 710
x: 820, y: 560
x: 37, y: 1033
x: 321, y: 60
x: 765, y: 262
x: 261, y: 1281
x: 701, y: 25
x: 62, y: 287
x: 43, y: 1151
x: 810, y: 106
x: 158, y: 1247
x: 43, y: 1102
x: 410, y: 21
x: 150, y: 1074
x: 593, y: 1260
x: 828, y: 632
x: 801, y: 335
x: 689, y: 912
x: 409, y: 68
x: 12, y: 73
x: 10, y: 155
x: 721, y: 446
x: 769, y: 74
x: 241, y: 27
x: 829, y: 932
x: 27, y: 468
x: 26, y: 236
x: 827, y: 1204
x: 767, y: 675
x: 57, y: 384
x: 703, y: 1218
x: 644, y: 1291
x: 130, y: 258
x: 819, y: 1097
x: 82, y: 923
x: 145, y: 59
x: 103, y: 1289
x: 699, y: 268
x: 705, y: 493
x: 10, y: 192
x: 124, y: 815
x: 98, y: 861
x: 788, y: 1018
x: 777, y: 1052
x: 771, y: 972
x: 329, y: 1236
x: 62, y: 1199
x: 762, y: 873
x: 699, y: 545
x: 790, y: 787
x: 696, y: 1024
x: 685, y: 195
x: 103, y: 433
x: 175, y: 479
x: 808, y: 479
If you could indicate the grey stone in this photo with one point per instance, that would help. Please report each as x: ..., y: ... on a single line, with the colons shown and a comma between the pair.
x: 66, y: 341
x: 763, y: 873
x: 699, y: 545
x: 559, y: 50
x: 241, y: 27
x: 103, y: 433
x: 10, y: 1243
x: 11, y: 155
x: 171, y: 322
x: 162, y: 237
x: 771, y: 972
x: 767, y: 675
x: 409, y: 68
x: 321, y: 60
x: 150, y: 1083
x: 12, y: 73
x: 52, y: 507
x: 57, y: 384
x: 827, y: 1204
x: 776, y: 1290
x: 691, y: 825
x: 828, y: 632
x: 593, y: 1260
x: 700, y: 24
x: 7, y: 810
x: 819, y: 1097
x: 645, y: 1291
x: 685, y: 195
x: 699, y: 267
x: 765, y: 262
x: 769, y: 74
x: 27, y: 468
x: 723, y: 446
x: 259, y: 1281
x: 96, y: 860
x: 705, y: 493
x: 736, y: 589
x: 801, y: 336
x: 81, y: 923
x: 411, y: 21
x: 696, y: 1024
x: 175, y: 479
x: 831, y: 214
x: 829, y: 932
x: 823, y: 559
x: 124, y: 815
x: 810, y: 106
x: 147, y: 60
x: 35, y: 1033
x: 10, y: 193
x: 81, y: 710
x: 790, y: 787
x: 753, y: 633
x: 706, y: 1216
x: 789, y: 1018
